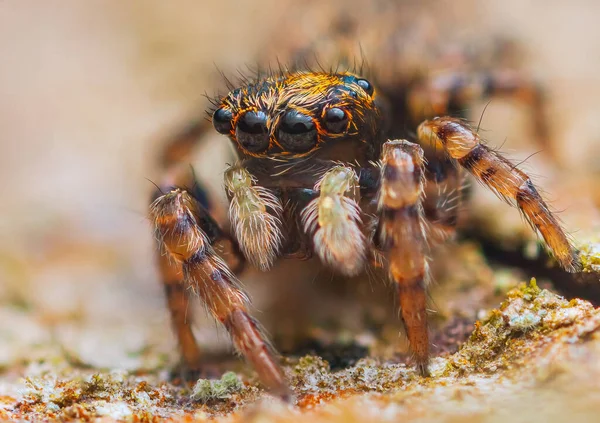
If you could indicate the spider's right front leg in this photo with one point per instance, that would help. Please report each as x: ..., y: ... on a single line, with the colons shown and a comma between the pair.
x: 177, y: 220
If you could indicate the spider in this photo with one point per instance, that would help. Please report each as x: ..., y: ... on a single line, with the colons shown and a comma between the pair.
x: 321, y: 171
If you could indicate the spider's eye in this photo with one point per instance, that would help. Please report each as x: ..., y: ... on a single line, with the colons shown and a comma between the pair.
x: 297, y: 132
x: 336, y: 120
x: 251, y: 131
x: 365, y: 85
x: 221, y: 120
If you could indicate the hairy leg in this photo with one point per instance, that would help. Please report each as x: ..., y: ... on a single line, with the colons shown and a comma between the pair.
x: 176, y: 292
x: 401, y: 236
x: 462, y: 143
x: 333, y: 221
x: 171, y: 272
x: 176, y: 218
x: 452, y: 93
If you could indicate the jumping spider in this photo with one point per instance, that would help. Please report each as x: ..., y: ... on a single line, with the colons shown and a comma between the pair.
x: 321, y: 170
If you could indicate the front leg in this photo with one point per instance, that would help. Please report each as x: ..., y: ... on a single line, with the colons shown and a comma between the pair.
x: 462, y: 144
x: 400, y: 234
x: 176, y: 218
x: 177, y: 292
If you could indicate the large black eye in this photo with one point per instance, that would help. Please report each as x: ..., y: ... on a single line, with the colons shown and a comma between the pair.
x: 336, y: 120
x: 365, y: 85
x: 251, y: 131
x: 297, y: 132
x: 221, y: 120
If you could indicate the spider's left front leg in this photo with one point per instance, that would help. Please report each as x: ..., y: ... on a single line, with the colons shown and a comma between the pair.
x: 400, y: 234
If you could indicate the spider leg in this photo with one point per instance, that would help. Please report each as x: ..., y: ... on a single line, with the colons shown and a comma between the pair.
x: 401, y: 236
x: 176, y: 292
x: 178, y: 174
x: 177, y: 217
x: 451, y: 93
x: 462, y: 144
x: 333, y: 221
x: 178, y: 295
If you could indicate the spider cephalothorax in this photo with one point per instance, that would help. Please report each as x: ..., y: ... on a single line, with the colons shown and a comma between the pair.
x: 316, y: 174
x: 295, y: 114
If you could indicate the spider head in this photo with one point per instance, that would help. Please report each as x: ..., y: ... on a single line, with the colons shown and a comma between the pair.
x: 296, y: 114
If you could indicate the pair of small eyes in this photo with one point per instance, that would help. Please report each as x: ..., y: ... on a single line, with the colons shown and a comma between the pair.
x: 297, y: 131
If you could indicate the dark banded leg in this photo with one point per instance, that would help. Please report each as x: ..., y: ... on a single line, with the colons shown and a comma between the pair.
x: 401, y: 236
x: 452, y: 93
x: 463, y: 144
x: 177, y: 218
x: 177, y: 295
x: 176, y: 291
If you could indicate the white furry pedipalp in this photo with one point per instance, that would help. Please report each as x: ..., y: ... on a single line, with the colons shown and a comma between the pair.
x: 255, y: 215
x: 333, y: 220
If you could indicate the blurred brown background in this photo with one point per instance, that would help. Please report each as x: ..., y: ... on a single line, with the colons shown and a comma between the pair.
x: 88, y: 90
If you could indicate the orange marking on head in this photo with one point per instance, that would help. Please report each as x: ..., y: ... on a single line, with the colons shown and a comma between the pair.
x: 310, y: 94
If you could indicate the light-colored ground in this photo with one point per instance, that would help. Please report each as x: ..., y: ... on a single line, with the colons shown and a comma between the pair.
x: 89, y: 90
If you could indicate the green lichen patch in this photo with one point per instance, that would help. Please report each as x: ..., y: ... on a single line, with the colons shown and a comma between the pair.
x: 206, y: 390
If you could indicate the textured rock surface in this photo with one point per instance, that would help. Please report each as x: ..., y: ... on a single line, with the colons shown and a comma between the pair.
x: 534, y: 357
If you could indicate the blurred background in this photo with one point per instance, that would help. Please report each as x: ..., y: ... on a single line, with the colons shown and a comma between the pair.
x: 89, y: 91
